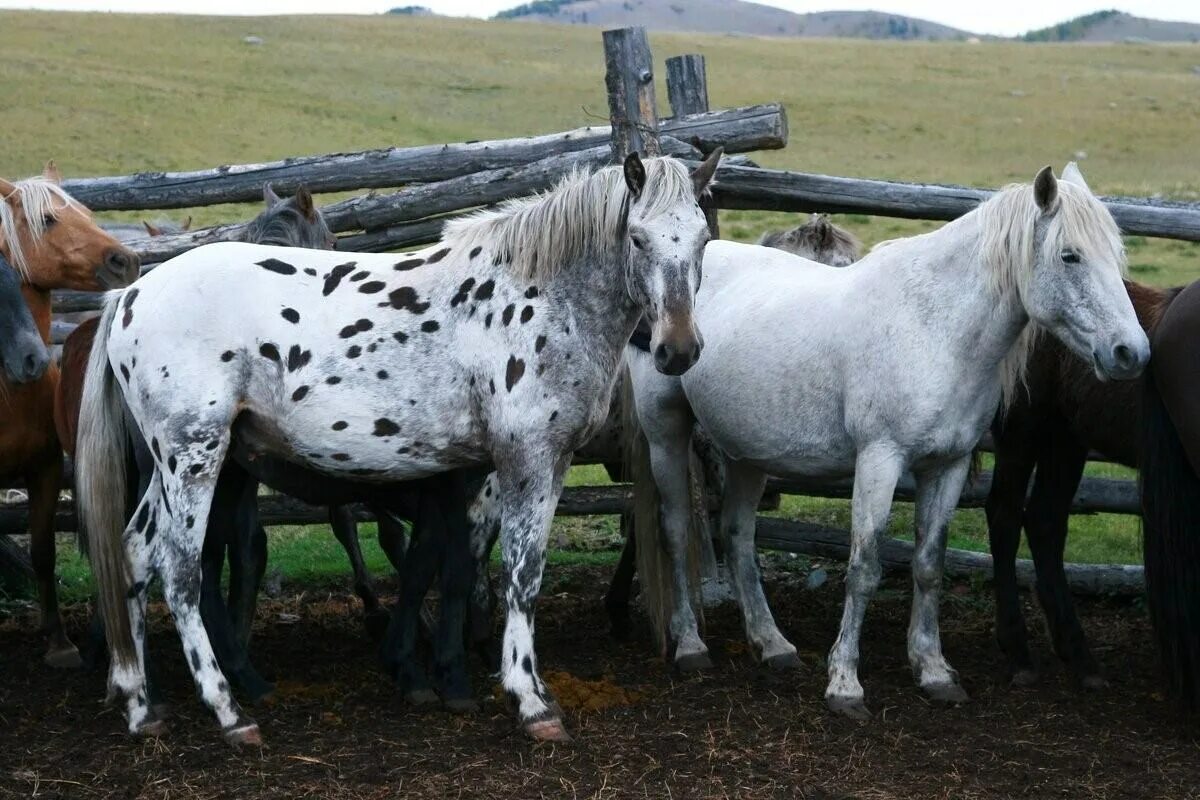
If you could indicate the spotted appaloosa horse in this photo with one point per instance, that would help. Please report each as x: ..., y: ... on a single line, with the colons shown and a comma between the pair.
x: 895, y: 363
x: 53, y: 243
x: 500, y: 345
x: 817, y: 240
x: 23, y: 355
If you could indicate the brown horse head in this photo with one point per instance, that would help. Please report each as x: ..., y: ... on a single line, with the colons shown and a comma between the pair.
x: 53, y: 241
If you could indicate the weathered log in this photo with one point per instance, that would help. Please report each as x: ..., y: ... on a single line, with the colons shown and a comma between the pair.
x: 373, y: 211
x: 738, y: 130
x: 780, y: 190
x: 1095, y: 495
x: 826, y: 542
x: 629, y: 79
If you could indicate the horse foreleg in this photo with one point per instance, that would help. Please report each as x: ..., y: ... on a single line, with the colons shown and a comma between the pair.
x: 937, y: 496
x: 345, y: 530
x: 1047, y: 521
x: 528, y: 496
x: 234, y: 521
x: 1005, y: 505
x: 44, y: 483
x: 457, y: 580
x: 743, y: 489
x: 485, y: 516
x: 416, y: 576
x: 877, y: 469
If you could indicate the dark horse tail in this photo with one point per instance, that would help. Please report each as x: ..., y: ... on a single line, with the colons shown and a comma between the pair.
x: 1170, y: 492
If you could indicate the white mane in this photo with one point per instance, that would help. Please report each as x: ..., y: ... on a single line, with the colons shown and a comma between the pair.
x: 1008, y: 245
x: 39, y: 198
x: 585, y: 212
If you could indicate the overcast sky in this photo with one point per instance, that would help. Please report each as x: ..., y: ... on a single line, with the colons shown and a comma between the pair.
x: 1003, y: 18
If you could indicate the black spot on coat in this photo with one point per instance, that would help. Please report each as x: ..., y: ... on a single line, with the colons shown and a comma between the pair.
x: 429, y: 326
x: 514, y: 372
x: 299, y: 394
x: 372, y: 287
x: 277, y: 266
x: 438, y: 256
x: 269, y: 350
x: 291, y: 315
x: 385, y: 427
x: 406, y: 298
x: 334, y: 278
x: 485, y: 290
x: 409, y: 263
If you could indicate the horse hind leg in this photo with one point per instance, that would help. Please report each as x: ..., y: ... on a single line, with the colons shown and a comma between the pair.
x: 345, y: 530
x: 743, y: 489
x: 1047, y: 522
x: 43, y: 484
x: 877, y: 469
x: 937, y: 496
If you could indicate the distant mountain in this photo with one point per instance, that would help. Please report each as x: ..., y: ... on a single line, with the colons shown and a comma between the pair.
x: 730, y: 16
x: 412, y: 11
x: 1116, y: 26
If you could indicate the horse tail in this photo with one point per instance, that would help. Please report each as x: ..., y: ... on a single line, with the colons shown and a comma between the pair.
x: 100, y: 486
x: 1170, y: 491
x: 653, y: 565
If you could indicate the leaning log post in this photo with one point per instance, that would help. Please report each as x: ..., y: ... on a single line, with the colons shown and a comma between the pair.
x: 687, y: 90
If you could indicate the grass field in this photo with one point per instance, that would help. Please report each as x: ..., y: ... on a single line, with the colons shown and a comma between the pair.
x: 107, y: 94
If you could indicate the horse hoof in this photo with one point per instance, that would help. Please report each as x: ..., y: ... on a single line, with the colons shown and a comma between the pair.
x: 461, y: 705
x: 421, y: 698
x: 548, y: 730
x: 377, y: 622
x: 852, y: 707
x: 64, y: 658
x: 1025, y: 678
x: 949, y: 693
x: 244, y: 734
x: 154, y: 728
x: 693, y: 662
x: 783, y: 662
x: 1094, y: 683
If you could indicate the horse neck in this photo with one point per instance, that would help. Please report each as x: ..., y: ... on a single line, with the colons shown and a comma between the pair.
x: 39, y: 304
x: 1149, y: 303
x: 595, y: 294
x: 957, y: 281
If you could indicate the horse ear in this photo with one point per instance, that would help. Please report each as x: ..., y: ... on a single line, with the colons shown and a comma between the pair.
x: 269, y: 196
x: 1071, y: 174
x: 50, y: 172
x: 304, y: 204
x: 153, y: 230
x: 6, y: 189
x: 1045, y: 190
x: 702, y: 177
x: 186, y: 226
x: 635, y: 174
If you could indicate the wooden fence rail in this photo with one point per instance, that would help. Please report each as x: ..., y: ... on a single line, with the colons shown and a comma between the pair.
x: 738, y: 130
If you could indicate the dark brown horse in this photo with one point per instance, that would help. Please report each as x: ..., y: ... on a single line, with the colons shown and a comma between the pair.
x: 1064, y: 412
x: 54, y: 244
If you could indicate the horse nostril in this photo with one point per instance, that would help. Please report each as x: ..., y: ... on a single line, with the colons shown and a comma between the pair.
x: 662, y: 354
x: 1123, y: 355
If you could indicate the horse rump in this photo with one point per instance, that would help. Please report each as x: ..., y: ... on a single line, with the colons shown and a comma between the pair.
x: 1170, y: 493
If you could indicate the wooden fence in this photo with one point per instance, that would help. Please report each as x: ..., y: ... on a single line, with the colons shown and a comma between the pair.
x: 438, y: 182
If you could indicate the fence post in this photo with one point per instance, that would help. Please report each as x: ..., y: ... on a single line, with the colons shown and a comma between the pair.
x: 629, y: 78
x: 687, y: 90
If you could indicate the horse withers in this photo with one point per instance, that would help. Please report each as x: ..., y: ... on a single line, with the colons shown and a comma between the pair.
x: 499, y: 345
x: 895, y: 363
x: 53, y: 243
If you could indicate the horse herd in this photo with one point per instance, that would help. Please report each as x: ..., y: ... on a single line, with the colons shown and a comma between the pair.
x: 450, y: 388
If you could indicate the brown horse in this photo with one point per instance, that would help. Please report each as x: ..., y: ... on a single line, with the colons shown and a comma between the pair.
x: 1064, y: 412
x: 53, y: 243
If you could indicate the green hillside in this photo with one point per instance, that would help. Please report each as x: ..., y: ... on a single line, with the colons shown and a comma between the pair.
x: 118, y: 93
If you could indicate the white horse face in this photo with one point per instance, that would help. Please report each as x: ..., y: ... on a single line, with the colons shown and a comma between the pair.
x: 665, y: 252
x: 1076, y: 290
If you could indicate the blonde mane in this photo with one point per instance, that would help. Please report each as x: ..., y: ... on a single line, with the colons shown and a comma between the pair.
x: 40, y: 198
x: 1008, y: 246
x: 584, y: 213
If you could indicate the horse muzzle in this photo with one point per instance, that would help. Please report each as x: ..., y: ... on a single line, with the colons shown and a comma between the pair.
x: 675, y: 353
x: 1123, y: 360
x: 29, y: 361
x: 120, y: 268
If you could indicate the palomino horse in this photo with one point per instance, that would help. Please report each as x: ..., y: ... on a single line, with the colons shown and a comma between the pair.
x: 23, y: 354
x: 895, y: 363
x: 54, y: 244
x: 817, y: 240
x: 504, y: 354
x: 1062, y: 411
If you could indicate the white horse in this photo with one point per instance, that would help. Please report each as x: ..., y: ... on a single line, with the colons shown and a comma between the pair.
x: 895, y: 363
x: 497, y: 346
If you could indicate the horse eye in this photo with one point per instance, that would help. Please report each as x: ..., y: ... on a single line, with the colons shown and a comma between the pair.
x: 1070, y: 257
x: 48, y: 221
x: 638, y: 242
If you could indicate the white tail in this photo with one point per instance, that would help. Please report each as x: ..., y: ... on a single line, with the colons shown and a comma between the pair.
x: 100, y: 486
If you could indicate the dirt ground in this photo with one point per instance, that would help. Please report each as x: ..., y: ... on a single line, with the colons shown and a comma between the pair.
x: 337, y: 729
